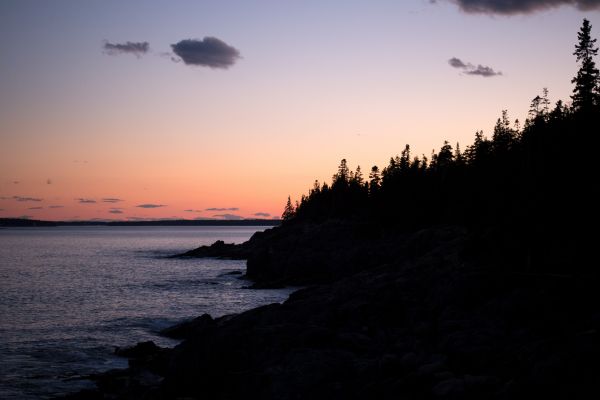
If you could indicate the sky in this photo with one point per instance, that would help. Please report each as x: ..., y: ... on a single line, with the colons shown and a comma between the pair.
x: 221, y: 109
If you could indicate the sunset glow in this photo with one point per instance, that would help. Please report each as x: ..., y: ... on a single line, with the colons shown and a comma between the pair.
x: 266, y: 97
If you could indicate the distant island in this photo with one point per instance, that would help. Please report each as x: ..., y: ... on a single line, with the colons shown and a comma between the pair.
x: 22, y: 222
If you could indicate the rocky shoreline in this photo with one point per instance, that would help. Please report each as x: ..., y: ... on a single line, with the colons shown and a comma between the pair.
x: 416, y: 315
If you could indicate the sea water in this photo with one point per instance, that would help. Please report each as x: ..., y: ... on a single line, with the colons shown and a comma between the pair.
x: 70, y: 295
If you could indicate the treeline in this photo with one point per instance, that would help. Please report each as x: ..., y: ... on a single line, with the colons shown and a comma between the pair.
x: 539, y: 179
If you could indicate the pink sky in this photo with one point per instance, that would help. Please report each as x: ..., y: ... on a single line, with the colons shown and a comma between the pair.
x: 315, y: 83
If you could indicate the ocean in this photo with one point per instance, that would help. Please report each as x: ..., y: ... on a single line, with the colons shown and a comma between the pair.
x: 70, y: 295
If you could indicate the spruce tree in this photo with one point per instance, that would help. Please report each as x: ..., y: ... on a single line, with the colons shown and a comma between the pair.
x: 585, y: 93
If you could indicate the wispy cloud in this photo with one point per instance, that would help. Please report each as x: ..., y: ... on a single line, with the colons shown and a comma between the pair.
x: 262, y: 214
x: 111, y: 200
x: 470, y: 69
x: 150, y: 205
x: 136, y: 48
x: 57, y: 206
x: 228, y: 216
x: 115, y: 211
x: 222, y: 209
x: 512, y: 7
x: 22, y: 198
x: 208, y: 52
x: 86, y: 201
x: 35, y: 208
x: 193, y: 211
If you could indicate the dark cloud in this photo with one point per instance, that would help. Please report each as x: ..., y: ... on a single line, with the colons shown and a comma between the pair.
x: 483, y: 71
x: 49, y: 181
x: 86, y: 201
x: 457, y: 63
x: 512, y: 7
x: 35, y: 208
x: 21, y: 198
x: 150, y: 205
x: 111, y: 200
x: 262, y: 214
x: 228, y: 216
x: 115, y: 211
x: 55, y: 206
x: 193, y: 211
x: 16, y: 182
x: 24, y: 216
x: 208, y: 52
x: 136, y: 48
x: 222, y: 209
x: 471, y: 69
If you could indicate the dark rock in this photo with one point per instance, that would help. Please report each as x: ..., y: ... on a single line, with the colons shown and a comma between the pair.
x: 140, y: 350
x: 188, y: 329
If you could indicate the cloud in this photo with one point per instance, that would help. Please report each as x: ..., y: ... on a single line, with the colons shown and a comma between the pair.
x: 115, y: 211
x: 111, y: 200
x: 194, y: 211
x: 228, y: 216
x: 16, y: 182
x: 512, y: 7
x: 483, y: 71
x: 136, y: 48
x: 48, y: 181
x: 262, y: 214
x: 55, y: 206
x: 457, y: 63
x: 150, y: 205
x: 471, y: 69
x: 35, y: 208
x: 86, y: 201
x: 24, y: 216
x: 208, y: 52
x: 222, y: 209
x: 21, y: 198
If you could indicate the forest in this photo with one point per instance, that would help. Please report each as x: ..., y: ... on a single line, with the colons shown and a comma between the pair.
x: 536, y: 182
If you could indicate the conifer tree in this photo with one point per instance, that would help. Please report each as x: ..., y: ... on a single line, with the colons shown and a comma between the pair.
x: 585, y: 93
x: 289, y: 212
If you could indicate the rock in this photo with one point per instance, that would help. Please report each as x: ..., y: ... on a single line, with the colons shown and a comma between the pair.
x: 449, y: 387
x: 431, y: 368
x: 188, y: 329
x: 140, y: 350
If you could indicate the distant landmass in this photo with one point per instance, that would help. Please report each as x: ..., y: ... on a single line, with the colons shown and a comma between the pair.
x: 22, y: 222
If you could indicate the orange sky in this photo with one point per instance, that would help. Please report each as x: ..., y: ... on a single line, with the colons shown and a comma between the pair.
x: 315, y: 83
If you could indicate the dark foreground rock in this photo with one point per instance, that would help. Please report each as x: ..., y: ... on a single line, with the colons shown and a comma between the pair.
x: 433, y: 323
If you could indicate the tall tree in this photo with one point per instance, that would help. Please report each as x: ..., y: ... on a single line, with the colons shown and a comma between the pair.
x: 585, y: 93
x: 289, y: 212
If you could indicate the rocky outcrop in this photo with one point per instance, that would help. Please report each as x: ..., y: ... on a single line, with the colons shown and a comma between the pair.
x: 428, y: 324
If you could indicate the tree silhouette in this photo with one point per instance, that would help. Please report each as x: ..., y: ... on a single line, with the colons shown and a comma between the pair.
x: 585, y: 93
x: 289, y: 212
x: 523, y: 180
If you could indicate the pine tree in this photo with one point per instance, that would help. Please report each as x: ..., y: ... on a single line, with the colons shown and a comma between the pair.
x: 375, y: 179
x: 585, y: 93
x: 289, y: 212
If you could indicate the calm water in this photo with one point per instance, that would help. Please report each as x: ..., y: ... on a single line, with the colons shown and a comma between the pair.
x: 69, y: 295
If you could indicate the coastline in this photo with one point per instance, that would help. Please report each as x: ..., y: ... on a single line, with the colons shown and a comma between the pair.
x: 426, y: 317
